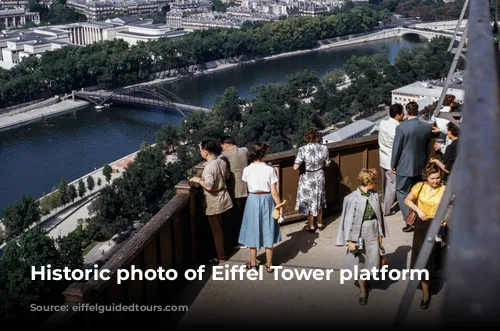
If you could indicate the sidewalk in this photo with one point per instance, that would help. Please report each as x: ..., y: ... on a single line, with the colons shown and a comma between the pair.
x: 9, y: 121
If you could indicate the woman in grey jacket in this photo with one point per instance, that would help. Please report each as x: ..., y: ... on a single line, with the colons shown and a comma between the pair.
x: 362, y: 218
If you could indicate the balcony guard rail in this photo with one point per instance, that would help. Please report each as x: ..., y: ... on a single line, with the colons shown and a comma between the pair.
x: 175, y: 236
x: 471, y: 297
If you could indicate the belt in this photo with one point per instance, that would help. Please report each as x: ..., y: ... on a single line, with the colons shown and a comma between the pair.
x: 260, y: 192
x: 314, y: 170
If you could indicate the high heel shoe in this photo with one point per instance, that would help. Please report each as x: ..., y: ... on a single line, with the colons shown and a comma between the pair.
x: 320, y: 226
x: 425, y: 304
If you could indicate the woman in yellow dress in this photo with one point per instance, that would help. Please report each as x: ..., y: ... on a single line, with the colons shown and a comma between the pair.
x: 424, y: 198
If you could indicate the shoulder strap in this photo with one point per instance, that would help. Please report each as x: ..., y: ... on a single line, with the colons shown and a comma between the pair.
x: 421, y: 187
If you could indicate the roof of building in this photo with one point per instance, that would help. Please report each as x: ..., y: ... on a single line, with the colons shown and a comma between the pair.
x: 428, y: 89
x: 349, y: 130
x: 145, y: 35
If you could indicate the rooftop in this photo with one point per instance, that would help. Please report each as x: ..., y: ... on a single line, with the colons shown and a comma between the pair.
x: 349, y: 130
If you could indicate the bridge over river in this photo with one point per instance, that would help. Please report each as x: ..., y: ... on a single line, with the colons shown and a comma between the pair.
x: 142, y: 95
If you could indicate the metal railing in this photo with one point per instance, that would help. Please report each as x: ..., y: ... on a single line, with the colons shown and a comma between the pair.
x: 472, y: 274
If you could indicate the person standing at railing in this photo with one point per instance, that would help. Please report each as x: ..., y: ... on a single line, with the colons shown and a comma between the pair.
x: 362, y: 218
x: 259, y: 228
x: 386, y: 134
x: 237, y: 159
x: 217, y: 199
x: 440, y: 124
x: 311, y: 198
x: 410, y: 153
x: 424, y: 198
x: 451, y: 152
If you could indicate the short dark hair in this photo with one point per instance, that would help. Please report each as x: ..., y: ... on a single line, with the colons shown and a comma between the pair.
x: 448, y: 99
x: 259, y: 151
x: 210, y: 146
x: 412, y: 108
x: 226, y: 140
x: 454, y: 130
x: 395, y: 109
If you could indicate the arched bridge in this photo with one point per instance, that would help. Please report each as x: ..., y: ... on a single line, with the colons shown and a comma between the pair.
x: 140, y: 94
x: 384, y: 34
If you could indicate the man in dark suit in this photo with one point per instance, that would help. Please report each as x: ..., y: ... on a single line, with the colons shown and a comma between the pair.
x: 410, y: 152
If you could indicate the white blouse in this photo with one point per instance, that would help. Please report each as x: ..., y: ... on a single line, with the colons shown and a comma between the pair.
x: 259, y: 177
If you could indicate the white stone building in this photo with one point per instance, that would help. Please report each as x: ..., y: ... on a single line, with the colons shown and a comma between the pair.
x: 13, y: 17
x: 420, y: 90
x: 18, y: 45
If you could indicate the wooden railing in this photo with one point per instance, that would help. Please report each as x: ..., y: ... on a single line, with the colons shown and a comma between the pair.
x: 176, y: 236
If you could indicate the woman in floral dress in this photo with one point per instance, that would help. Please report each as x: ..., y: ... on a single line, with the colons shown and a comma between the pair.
x: 311, y: 197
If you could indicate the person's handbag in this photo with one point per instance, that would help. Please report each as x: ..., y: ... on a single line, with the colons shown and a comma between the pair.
x: 276, y: 212
x: 412, y: 216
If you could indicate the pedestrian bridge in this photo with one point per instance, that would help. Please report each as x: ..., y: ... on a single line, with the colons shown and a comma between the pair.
x: 140, y: 94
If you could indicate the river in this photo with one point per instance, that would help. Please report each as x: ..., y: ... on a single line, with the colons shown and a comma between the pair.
x: 35, y: 157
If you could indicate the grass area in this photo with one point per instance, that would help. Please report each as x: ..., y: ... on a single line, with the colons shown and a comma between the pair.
x: 89, y: 247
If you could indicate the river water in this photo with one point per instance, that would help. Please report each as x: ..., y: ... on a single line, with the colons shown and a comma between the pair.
x: 35, y: 157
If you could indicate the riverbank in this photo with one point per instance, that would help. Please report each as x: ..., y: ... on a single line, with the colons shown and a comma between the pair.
x: 10, y: 121
x: 223, y: 64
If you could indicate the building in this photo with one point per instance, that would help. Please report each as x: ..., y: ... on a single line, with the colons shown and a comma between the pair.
x: 356, y: 129
x: 420, y: 90
x: 17, y: 45
x: 13, y: 17
x: 96, y: 10
x: 131, y: 29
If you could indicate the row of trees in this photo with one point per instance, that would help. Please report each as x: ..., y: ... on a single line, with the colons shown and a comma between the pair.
x: 28, y: 211
x: 58, y: 13
x: 116, y: 63
x: 427, y: 10
x: 278, y: 114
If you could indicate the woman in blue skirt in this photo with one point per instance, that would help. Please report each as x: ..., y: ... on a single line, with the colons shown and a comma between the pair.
x: 259, y: 228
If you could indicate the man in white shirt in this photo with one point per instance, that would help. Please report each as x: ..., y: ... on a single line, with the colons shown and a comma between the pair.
x: 387, y: 132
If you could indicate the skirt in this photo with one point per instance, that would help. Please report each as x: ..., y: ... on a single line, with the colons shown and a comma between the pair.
x: 259, y: 228
x: 419, y: 235
x: 311, y: 197
x: 369, y: 257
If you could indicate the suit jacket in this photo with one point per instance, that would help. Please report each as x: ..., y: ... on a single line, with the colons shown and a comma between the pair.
x: 386, y: 134
x: 411, y: 147
x: 237, y: 158
x: 351, y: 219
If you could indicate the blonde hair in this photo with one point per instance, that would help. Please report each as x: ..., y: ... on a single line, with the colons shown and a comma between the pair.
x: 367, y: 176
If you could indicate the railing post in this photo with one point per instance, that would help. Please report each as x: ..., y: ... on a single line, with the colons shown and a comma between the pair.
x: 185, y: 187
x: 70, y: 309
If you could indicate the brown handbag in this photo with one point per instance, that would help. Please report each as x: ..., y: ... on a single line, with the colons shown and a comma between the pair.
x: 412, y: 216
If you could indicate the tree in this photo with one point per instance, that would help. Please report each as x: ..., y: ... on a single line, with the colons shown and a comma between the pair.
x: 64, y: 196
x: 21, y: 215
x: 99, y: 181
x: 72, y: 192
x: 107, y: 171
x: 166, y: 136
x: 71, y: 250
x: 2, y: 235
x: 81, y: 188
x: 18, y: 290
x: 90, y: 183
